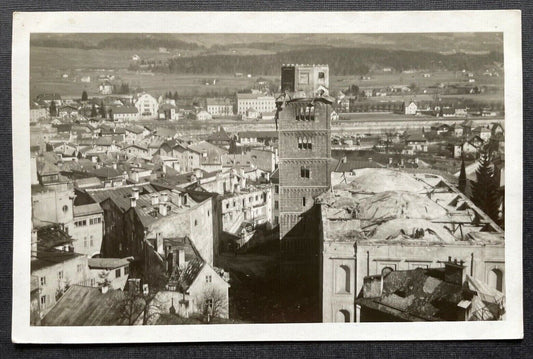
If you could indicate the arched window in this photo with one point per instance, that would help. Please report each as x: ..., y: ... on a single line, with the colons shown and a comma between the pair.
x: 343, y: 316
x: 342, y: 279
x: 496, y: 279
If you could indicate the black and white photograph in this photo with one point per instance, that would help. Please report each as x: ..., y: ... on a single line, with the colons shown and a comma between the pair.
x: 256, y: 179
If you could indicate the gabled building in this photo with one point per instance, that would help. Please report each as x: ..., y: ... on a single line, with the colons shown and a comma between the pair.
x: 147, y: 106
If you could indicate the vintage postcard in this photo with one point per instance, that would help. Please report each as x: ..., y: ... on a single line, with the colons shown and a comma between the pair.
x: 238, y: 176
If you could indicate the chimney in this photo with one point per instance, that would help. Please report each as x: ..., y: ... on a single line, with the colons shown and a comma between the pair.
x: 159, y: 243
x: 416, y: 160
x: 104, y: 289
x: 135, y: 192
x: 155, y: 199
x: 390, y: 161
x: 163, y: 197
x: 94, y: 159
x: 343, y: 159
x: 163, y: 210
x: 114, y: 165
x: 34, y: 240
x: 133, y: 201
x: 454, y: 272
x: 181, y: 257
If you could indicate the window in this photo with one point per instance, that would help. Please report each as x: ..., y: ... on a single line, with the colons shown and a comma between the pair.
x: 195, y: 222
x: 43, y: 301
x: 208, y: 279
x: 227, y: 205
x: 496, y: 279
x: 304, y: 172
x: 126, y: 270
x: 65, y: 209
x: 276, y: 189
x: 303, y: 201
x: 117, y: 273
x: 60, y: 275
x: 91, y: 242
x: 321, y: 75
x: 342, y: 279
x: 343, y: 316
x: 276, y: 204
x: 43, y: 281
x: 79, y: 268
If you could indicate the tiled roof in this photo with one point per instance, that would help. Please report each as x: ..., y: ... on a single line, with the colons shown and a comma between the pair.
x: 47, y: 258
x: 107, y: 263
x: 84, y: 306
x: 87, y: 209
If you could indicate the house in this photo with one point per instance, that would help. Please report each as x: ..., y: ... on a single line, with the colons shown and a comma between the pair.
x: 46, y: 99
x: 255, y: 138
x: 441, y: 128
x: 195, y: 286
x: 105, y: 88
x: 411, y: 108
x: 483, y: 132
x: 113, y: 272
x: 37, y: 112
x: 135, y: 150
x: 209, y: 154
x: 252, y: 114
x: 55, y: 270
x: 203, y: 116
x: 219, y: 106
x: 416, y: 142
x: 147, y: 106
x: 220, y: 138
x: 461, y: 111
x: 123, y: 113
x: 135, y: 134
x: 67, y: 111
x: 168, y: 112
x: 86, y: 79
x: 447, y: 112
x: 458, y: 130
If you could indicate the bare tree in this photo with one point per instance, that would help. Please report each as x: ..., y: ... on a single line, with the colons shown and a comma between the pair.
x: 143, y: 301
x: 212, y: 302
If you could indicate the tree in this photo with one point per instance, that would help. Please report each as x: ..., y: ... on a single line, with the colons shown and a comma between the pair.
x: 84, y: 96
x: 485, y: 189
x: 138, y: 302
x: 213, y: 303
x: 53, y: 109
x: 94, y: 113
x: 462, y: 176
x: 102, y: 109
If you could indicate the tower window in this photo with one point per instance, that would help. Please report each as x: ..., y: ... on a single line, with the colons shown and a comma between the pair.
x: 303, y: 201
x: 304, y: 172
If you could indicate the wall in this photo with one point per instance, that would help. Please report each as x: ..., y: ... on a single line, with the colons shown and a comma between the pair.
x: 74, y: 270
x: 88, y: 238
x: 53, y: 206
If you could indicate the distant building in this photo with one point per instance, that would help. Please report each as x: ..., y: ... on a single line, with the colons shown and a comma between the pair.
x: 167, y: 111
x: 113, y: 272
x: 258, y: 102
x: 37, y: 112
x: 411, y: 108
x: 147, y: 106
x: 124, y: 113
x: 203, y: 116
x: 219, y: 106
x: 105, y: 88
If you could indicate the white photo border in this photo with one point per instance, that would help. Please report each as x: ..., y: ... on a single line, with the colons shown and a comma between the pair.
x: 506, y: 21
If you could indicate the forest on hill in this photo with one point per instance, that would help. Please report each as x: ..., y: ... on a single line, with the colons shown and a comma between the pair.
x: 341, y: 61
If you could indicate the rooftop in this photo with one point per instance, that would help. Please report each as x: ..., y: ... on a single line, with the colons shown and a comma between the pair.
x: 87, y: 209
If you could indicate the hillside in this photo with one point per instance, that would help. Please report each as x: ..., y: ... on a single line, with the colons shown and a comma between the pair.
x: 342, y: 61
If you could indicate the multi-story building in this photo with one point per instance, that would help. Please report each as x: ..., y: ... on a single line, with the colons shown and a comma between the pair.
x: 219, y: 106
x: 147, y: 106
x: 87, y: 229
x: 376, y: 221
x: 304, y: 159
x: 258, y: 102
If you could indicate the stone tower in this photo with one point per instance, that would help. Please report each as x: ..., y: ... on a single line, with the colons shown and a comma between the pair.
x: 304, y: 112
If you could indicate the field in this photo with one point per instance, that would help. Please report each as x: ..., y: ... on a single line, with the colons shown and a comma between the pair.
x: 47, y: 65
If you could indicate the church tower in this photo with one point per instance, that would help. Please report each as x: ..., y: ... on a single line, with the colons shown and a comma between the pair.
x: 304, y: 111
